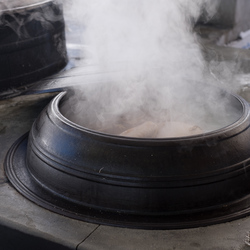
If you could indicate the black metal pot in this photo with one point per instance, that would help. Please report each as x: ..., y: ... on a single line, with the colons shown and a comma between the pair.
x: 32, y: 44
x: 143, y: 183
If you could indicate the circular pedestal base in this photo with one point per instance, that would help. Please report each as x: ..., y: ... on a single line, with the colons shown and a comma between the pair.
x: 23, y: 181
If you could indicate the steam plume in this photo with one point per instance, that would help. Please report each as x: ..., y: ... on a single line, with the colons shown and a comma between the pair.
x: 162, y: 65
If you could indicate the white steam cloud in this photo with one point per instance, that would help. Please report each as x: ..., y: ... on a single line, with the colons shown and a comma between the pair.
x: 162, y: 67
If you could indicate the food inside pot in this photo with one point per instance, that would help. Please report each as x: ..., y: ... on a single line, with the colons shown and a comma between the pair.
x: 150, y: 129
x: 179, y: 117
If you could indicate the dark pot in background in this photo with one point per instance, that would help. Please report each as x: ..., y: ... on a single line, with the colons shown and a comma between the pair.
x: 32, y: 44
x: 143, y: 183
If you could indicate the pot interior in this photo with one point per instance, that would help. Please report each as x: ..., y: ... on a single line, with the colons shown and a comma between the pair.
x: 186, y: 115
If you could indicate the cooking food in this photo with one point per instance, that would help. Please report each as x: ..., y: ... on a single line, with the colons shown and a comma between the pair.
x: 178, y: 129
x: 150, y: 129
x: 145, y: 130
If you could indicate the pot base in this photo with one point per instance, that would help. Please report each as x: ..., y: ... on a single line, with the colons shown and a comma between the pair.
x: 27, y: 185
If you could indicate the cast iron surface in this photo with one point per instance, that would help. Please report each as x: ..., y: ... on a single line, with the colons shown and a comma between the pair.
x: 128, y: 182
x: 33, y: 50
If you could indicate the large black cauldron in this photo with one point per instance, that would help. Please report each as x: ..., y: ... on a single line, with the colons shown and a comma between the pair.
x: 143, y: 183
x: 32, y: 44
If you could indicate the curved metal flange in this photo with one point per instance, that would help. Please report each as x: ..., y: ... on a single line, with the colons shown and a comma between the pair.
x: 26, y: 184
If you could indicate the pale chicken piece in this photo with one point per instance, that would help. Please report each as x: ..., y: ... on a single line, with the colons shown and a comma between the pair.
x: 145, y: 130
x: 178, y: 129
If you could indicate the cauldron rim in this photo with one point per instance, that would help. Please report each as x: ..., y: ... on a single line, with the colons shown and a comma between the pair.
x: 223, y: 131
x: 25, y: 7
x: 33, y: 164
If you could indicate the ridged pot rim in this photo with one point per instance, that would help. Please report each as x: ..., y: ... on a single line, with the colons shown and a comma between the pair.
x: 25, y: 7
x: 219, y: 134
x: 147, y: 201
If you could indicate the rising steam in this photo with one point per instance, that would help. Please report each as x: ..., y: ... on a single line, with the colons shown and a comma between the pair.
x: 161, y: 77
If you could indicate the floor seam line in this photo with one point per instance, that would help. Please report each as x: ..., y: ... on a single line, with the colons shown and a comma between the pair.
x: 87, y: 237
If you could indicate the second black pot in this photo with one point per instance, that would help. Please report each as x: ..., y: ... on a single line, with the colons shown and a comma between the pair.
x: 32, y: 44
